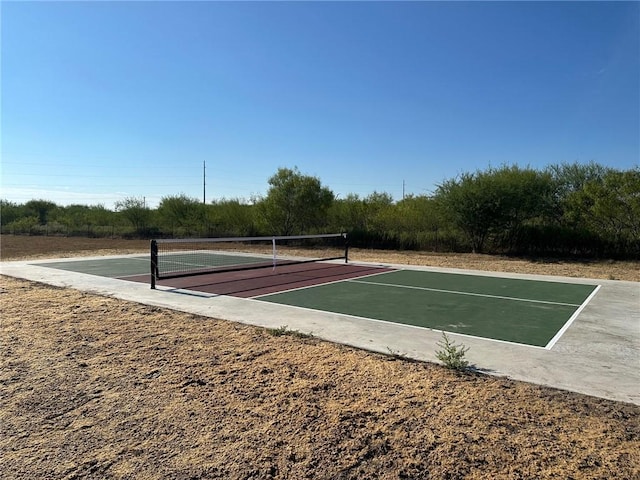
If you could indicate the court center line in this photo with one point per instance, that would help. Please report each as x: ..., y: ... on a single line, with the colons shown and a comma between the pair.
x: 454, y: 292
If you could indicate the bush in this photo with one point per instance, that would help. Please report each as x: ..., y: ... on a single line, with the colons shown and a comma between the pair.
x: 452, y: 355
x: 25, y: 225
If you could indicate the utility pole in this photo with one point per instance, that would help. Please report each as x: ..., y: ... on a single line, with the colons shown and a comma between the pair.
x: 403, y: 189
x: 204, y: 182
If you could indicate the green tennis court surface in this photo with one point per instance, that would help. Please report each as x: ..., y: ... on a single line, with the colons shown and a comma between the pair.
x: 105, y: 267
x: 521, y: 311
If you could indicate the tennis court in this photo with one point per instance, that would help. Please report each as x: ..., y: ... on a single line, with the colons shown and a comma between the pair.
x: 528, y: 312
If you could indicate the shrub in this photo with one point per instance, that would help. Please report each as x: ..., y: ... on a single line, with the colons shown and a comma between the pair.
x: 451, y: 354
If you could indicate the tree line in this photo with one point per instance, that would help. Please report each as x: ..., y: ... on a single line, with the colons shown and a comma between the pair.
x: 581, y: 210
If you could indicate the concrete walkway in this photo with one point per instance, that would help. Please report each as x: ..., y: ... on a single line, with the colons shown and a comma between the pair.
x: 598, y: 355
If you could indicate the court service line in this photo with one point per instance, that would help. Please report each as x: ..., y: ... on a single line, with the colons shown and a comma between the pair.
x: 455, y: 292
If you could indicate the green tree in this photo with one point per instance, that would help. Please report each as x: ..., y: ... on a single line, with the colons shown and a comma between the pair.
x: 568, y: 179
x: 24, y: 225
x: 347, y: 214
x: 525, y: 195
x: 378, y: 206
x: 135, y: 211
x: 610, y: 206
x: 295, y: 203
x: 232, y: 217
x: 471, y: 203
x: 182, y: 214
x: 416, y: 221
x: 414, y: 213
x: 10, y: 212
x: 73, y: 217
x: 353, y: 213
x: 82, y: 217
x: 41, y: 209
x: 494, y: 202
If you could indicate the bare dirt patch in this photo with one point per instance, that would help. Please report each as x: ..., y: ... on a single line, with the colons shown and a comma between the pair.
x: 94, y: 387
x: 21, y: 247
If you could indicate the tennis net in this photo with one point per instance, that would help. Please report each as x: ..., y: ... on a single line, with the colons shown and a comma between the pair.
x: 172, y: 258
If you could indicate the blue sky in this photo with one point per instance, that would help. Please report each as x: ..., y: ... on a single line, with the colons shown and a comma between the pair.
x: 107, y: 100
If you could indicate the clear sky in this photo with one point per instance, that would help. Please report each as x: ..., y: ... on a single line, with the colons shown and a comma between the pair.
x: 107, y: 100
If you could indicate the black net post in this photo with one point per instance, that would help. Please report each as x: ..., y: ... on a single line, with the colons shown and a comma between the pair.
x: 346, y: 248
x: 154, y: 263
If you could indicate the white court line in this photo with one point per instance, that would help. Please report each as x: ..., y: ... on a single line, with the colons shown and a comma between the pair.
x: 455, y: 292
x: 557, y: 336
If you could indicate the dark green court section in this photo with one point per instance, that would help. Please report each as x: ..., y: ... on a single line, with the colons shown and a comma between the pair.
x: 106, y: 267
x: 418, y: 298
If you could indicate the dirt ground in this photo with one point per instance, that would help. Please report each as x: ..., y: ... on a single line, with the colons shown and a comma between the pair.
x: 94, y: 387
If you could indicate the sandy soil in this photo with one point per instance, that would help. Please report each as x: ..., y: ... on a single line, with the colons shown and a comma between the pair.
x: 94, y: 387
